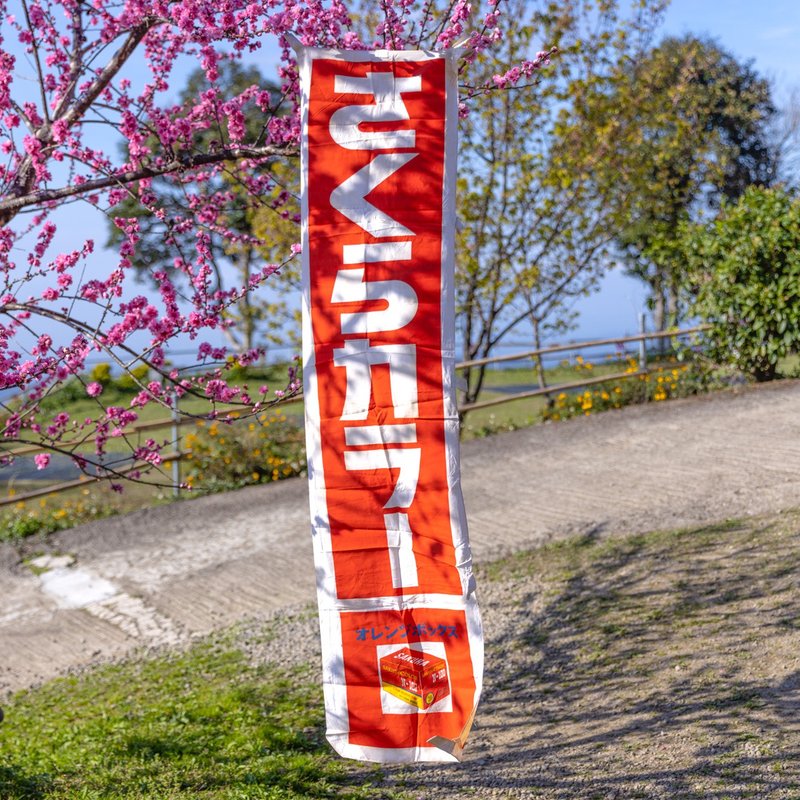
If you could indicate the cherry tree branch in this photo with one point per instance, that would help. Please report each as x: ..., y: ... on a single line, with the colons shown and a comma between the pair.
x: 11, y: 206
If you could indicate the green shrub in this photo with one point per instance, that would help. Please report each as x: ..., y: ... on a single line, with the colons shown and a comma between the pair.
x: 43, y: 517
x: 744, y: 275
x: 101, y: 373
x: 259, y: 449
x: 72, y: 391
x: 132, y: 380
x: 675, y: 379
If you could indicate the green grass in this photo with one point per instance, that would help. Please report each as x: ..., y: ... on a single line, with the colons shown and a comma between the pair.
x: 74, y: 507
x: 204, y: 723
x: 527, y: 411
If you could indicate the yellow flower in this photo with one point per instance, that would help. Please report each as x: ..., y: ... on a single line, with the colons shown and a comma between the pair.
x: 254, y: 476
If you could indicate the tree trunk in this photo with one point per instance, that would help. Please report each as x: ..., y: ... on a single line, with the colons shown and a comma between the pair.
x: 540, y: 376
x: 673, y: 305
x: 659, y: 314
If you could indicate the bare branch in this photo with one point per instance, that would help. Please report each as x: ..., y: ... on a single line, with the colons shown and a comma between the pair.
x: 76, y: 112
x: 13, y: 205
x: 39, y: 71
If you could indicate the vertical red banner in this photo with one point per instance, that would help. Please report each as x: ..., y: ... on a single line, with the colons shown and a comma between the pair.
x: 401, y: 636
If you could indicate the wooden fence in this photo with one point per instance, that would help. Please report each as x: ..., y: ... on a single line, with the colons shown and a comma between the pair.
x: 176, y: 422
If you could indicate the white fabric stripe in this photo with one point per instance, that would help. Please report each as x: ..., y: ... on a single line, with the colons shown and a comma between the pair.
x: 401, y: 552
x: 333, y: 679
x: 371, y: 55
x: 458, y: 516
x: 380, y: 434
x: 398, y: 755
x: 448, y: 602
x: 379, y: 251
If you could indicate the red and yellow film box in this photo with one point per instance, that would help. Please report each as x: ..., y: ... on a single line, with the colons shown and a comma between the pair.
x: 417, y: 678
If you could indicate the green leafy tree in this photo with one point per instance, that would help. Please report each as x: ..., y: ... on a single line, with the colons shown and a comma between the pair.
x: 744, y: 272
x: 696, y: 127
x: 538, y: 172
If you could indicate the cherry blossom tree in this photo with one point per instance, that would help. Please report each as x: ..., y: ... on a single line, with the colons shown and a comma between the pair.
x: 79, y: 77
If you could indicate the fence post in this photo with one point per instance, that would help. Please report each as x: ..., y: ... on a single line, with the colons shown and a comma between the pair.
x: 176, y: 446
x: 642, y: 345
x: 643, y: 351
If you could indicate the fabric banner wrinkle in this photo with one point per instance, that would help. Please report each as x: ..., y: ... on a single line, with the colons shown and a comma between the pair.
x: 402, y: 643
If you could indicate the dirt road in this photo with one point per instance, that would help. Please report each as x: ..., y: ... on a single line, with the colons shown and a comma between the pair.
x: 163, y: 575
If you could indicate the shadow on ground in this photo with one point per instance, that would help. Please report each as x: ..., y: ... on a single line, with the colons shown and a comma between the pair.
x: 659, y: 666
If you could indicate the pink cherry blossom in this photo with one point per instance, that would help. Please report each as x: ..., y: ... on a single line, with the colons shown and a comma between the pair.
x: 105, y: 73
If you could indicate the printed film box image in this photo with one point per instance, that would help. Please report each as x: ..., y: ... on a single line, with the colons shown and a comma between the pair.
x: 417, y: 678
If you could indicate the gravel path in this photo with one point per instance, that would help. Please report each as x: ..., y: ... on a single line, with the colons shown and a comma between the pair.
x: 660, y: 667
x: 164, y: 575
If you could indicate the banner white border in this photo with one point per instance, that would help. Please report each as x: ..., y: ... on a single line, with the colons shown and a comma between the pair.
x: 330, y: 607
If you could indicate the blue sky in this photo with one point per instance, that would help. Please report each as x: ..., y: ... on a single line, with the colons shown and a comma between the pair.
x: 766, y: 32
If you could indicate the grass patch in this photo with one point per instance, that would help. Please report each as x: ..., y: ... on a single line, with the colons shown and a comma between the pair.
x: 204, y: 723
x: 77, y: 506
